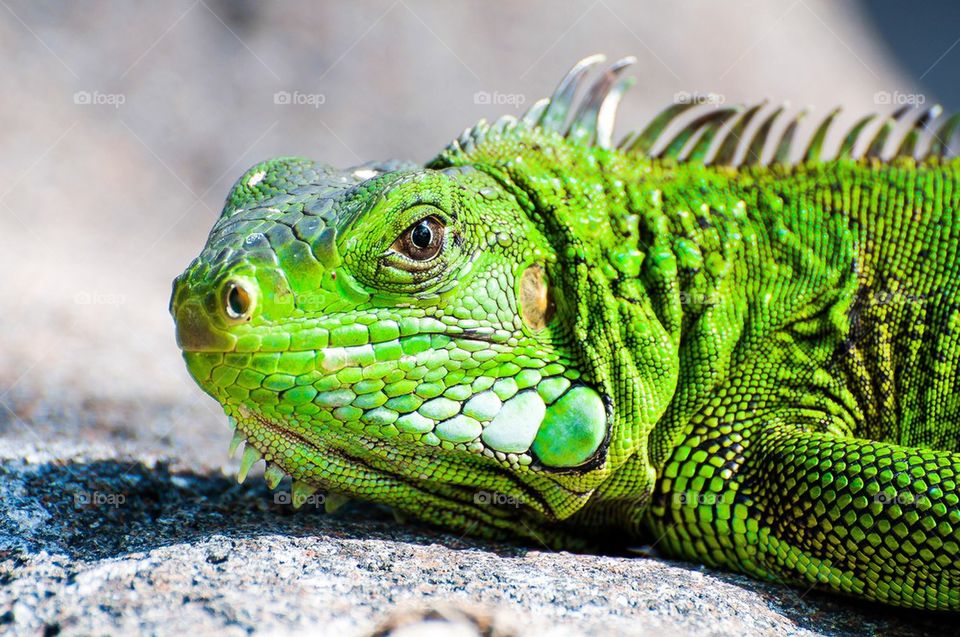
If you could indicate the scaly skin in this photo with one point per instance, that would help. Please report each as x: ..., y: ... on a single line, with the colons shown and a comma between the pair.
x: 753, y: 366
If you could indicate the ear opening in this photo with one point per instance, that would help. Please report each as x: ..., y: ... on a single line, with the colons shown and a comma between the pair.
x: 535, y: 297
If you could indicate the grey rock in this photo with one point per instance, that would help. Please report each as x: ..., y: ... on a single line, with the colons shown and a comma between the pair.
x: 95, y: 542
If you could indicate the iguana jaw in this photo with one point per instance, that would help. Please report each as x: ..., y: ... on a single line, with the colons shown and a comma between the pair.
x: 413, y: 483
x: 348, y: 417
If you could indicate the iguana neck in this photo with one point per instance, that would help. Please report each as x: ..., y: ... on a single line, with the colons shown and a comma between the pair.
x: 671, y: 234
x: 644, y: 260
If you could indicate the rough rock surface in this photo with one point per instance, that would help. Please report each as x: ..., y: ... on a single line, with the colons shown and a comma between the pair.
x: 96, y: 541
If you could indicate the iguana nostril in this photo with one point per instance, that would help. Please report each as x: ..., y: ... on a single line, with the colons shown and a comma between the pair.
x: 238, y: 301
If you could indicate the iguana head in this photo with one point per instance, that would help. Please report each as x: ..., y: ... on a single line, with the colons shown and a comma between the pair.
x: 402, y: 334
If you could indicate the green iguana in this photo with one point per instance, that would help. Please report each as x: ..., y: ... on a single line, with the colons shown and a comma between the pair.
x: 752, y: 363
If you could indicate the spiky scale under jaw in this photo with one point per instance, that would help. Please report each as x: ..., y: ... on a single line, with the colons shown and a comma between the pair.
x: 710, y: 347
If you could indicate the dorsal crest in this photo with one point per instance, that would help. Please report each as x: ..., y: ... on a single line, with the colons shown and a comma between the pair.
x: 698, y: 130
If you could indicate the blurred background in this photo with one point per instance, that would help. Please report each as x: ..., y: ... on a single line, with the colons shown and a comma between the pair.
x: 124, y: 126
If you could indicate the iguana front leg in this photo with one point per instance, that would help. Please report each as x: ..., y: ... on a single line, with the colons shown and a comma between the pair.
x: 790, y: 504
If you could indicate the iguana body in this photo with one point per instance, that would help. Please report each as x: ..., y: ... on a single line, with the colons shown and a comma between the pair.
x: 751, y: 366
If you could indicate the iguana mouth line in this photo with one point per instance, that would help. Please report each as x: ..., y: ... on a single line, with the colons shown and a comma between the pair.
x: 466, y: 503
x: 468, y: 494
x: 287, y: 433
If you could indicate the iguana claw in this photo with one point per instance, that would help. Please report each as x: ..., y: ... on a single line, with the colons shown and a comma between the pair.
x: 250, y: 458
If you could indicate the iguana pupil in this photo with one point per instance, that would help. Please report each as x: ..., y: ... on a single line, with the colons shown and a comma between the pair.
x: 422, y: 241
x: 749, y: 364
x: 238, y: 302
x: 422, y: 235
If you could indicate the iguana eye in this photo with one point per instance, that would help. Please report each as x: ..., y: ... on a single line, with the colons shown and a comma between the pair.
x: 421, y: 241
x: 237, y: 301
